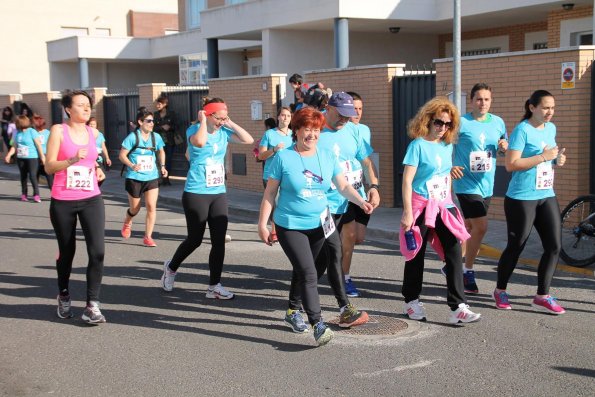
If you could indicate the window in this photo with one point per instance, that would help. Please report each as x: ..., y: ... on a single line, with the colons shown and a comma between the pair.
x: 585, y: 39
x: 232, y: 2
x: 193, y: 9
x: 540, y: 46
x: 483, y: 51
x: 193, y: 69
x: 69, y: 31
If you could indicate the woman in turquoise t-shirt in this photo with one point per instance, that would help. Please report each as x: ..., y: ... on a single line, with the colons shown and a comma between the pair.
x: 531, y: 201
x: 143, y: 155
x: 273, y: 141
x: 204, y: 199
x: 23, y: 145
x: 302, y: 174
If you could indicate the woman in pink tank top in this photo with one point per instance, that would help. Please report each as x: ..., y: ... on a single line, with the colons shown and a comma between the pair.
x: 72, y: 157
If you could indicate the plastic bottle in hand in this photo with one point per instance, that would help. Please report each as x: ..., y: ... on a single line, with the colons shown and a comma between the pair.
x: 410, y: 240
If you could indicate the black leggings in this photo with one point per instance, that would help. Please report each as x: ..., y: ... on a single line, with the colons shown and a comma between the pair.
x: 28, y: 169
x: 201, y: 209
x: 91, y: 214
x: 330, y: 258
x: 521, y: 216
x: 414, y: 268
x: 48, y: 177
x: 301, y: 247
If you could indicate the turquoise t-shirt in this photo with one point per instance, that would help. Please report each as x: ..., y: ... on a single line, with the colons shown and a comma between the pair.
x: 476, y: 151
x: 25, y: 146
x: 365, y: 133
x: 303, y: 183
x: 43, y: 136
x: 270, y: 139
x: 432, y: 159
x: 99, y: 143
x: 143, y: 154
x: 206, y: 174
x: 530, y: 141
x: 349, y: 148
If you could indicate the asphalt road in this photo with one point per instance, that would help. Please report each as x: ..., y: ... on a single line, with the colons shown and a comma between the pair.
x: 180, y: 343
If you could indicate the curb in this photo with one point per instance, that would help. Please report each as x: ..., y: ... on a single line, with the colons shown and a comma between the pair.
x: 494, y: 253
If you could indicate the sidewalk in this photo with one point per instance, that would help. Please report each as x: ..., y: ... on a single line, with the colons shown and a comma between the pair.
x: 383, y: 226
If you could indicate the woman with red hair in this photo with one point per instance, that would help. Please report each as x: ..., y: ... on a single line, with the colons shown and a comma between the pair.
x: 302, y: 175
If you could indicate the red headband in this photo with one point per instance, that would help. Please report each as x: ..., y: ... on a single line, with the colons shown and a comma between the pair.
x: 214, y: 107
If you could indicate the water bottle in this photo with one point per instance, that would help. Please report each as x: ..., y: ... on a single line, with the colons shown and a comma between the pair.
x: 410, y: 240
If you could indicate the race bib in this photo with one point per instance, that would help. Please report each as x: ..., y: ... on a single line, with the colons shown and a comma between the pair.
x: 328, y: 224
x: 438, y: 187
x: 544, y: 178
x: 215, y: 175
x: 353, y: 177
x: 480, y: 161
x: 22, y: 151
x: 147, y: 163
x: 79, y: 178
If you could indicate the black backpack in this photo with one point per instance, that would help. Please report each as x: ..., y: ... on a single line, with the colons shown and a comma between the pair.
x: 152, y: 149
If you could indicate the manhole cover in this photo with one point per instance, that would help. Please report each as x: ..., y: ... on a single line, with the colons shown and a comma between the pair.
x: 376, y: 326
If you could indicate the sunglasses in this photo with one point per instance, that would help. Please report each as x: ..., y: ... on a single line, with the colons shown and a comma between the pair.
x: 439, y: 123
x: 148, y: 121
x: 221, y: 119
x: 310, y: 174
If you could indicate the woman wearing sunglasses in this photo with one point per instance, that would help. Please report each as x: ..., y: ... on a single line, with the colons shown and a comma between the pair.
x: 143, y: 155
x: 204, y: 199
x: 303, y: 174
x: 428, y: 209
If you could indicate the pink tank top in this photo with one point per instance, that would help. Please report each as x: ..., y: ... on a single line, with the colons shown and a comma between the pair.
x: 79, y: 180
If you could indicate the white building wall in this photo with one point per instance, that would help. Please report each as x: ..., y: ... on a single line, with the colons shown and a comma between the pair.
x: 501, y: 42
x: 41, y: 21
x: 570, y: 26
x: 384, y: 48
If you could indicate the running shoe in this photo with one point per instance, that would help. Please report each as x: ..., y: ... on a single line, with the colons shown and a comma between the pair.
x: 547, y: 305
x: 64, y: 307
x: 322, y: 333
x: 463, y: 315
x: 227, y: 238
x: 148, y: 242
x: 469, y: 282
x: 351, y: 317
x: 126, y: 229
x: 218, y: 292
x: 350, y: 289
x: 92, y: 314
x: 415, y: 310
x: 37, y: 199
x: 24, y: 197
x: 501, y: 299
x: 168, y: 278
x: 294, y: 319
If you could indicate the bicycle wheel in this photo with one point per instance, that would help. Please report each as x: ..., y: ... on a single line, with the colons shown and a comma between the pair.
x: 578, y: 232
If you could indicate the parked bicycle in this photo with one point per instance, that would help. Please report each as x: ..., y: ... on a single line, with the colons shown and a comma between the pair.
x: 578, y: 231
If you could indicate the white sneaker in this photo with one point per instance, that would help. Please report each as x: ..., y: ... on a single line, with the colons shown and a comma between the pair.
x: 227, y: 238
x: 463, y: 315
x: 218, y: 292
x: 168, y: 278
x: 415, y: 310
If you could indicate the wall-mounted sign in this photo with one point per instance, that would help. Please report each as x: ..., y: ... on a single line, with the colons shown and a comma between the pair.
x: 568, y: 75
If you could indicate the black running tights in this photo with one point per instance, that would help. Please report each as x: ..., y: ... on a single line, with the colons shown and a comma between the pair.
x: 200, y: 210
x: 91, y: 214
x: 28, y: 169
x: 521, y: 216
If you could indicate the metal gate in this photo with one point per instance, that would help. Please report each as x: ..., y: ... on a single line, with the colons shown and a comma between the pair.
x: 119, y: 111
x: 410, y: 92
x: 185, y: 103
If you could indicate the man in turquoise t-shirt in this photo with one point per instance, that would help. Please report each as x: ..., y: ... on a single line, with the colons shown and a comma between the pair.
x: 482, y: 135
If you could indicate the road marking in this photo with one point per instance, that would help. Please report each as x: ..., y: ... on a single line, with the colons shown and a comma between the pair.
x: 400, y: 368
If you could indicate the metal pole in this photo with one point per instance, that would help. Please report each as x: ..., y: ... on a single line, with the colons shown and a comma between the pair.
x: 83, y: 73
x: 456, y: 53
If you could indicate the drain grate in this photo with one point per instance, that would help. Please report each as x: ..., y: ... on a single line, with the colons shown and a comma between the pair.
x: 376, y: 325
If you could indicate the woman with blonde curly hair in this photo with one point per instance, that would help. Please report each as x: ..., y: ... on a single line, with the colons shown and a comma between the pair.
x: 428, y: 210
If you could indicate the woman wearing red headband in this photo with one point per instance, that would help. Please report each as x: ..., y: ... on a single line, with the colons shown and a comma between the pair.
x: 204, y: 199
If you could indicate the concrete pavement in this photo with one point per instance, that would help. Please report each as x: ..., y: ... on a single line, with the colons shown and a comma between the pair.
x: 383, y: 226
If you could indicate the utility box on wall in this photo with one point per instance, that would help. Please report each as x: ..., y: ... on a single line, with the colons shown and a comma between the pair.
x: 256, y: 110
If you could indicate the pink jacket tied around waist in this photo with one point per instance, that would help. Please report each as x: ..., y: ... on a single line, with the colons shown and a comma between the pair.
x: 454, y: 223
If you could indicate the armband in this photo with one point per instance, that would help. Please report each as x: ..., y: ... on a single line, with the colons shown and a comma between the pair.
x: 375, y: 186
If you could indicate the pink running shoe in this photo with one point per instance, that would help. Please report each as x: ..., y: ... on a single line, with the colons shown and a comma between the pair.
x: 547, y: 305
x: 24, y: 197
x: 501, y: 299
x: 148, y: 242
x: 37, y: 199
